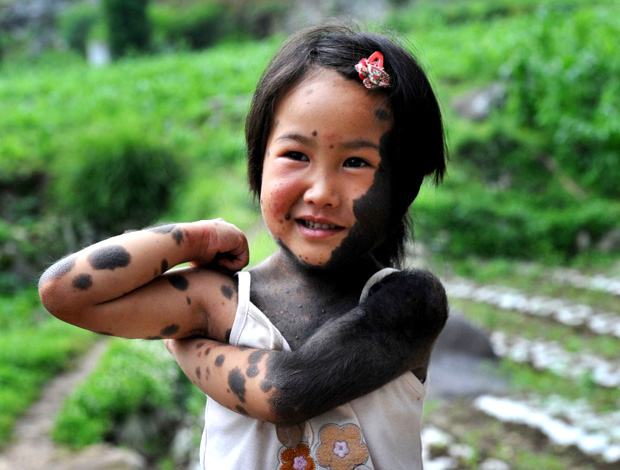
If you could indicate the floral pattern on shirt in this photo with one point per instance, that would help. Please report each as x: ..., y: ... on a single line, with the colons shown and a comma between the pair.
x: 296, y: 458
x: 342, y: 447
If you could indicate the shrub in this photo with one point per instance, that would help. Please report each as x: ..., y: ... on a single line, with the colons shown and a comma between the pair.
x: 129, y: 29
x: 196, y: 26
x: 76, y: 24
x: 115, y: 178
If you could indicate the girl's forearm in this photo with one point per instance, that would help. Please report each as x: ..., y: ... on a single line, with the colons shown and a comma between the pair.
x: 111, y: 268
x: 117, y: 286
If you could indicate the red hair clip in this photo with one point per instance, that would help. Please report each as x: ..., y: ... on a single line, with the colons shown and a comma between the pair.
x: 372, y: 73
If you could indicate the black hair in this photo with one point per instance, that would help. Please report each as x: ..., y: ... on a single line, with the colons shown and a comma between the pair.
x: 415, y: 146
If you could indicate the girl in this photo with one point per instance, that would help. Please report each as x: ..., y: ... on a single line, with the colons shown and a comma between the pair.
x: 328, y: 348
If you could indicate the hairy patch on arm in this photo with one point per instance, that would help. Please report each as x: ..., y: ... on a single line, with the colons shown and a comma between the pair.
x: 109, y: 257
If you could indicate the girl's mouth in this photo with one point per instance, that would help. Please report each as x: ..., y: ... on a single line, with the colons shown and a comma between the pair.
x: 317, y: 225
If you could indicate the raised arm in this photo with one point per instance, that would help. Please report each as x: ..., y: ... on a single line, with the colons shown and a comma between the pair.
x: 392, y: 332
x: 122, y: 287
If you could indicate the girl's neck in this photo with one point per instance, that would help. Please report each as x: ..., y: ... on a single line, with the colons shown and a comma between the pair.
x: 285, y: 265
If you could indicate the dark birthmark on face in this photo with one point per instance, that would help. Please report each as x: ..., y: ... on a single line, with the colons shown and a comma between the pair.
x: 164, y: 265
x: 227, y: 336
x: 287, y: 216
x: 177, y: 234
x: 198, y: 372
x: 82, y: 281
x: 382, y: 114
x: 236, y: 382
x: 219, y: 360
x: 59, y: 269
x: 109, y: 257
x: 189, y: 301
x: 178, y: 282
x: 241, y: 410
x: 372, y: 212
x: 252, y: 371
x: 265, y: 385
x: 314, y: 133
x: 169, y: 330
x: 207, y: 351
x: 226, y: 291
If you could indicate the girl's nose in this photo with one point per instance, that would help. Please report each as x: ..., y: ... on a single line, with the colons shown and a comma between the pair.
x: 322, y: 191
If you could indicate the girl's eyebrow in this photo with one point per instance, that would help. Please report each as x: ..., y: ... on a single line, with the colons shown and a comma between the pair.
x: 350, y: 145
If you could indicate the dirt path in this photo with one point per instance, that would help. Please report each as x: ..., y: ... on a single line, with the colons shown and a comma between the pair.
x: 32, y: 447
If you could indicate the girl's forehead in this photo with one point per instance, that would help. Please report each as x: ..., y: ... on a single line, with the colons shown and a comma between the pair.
x: 326, y: 97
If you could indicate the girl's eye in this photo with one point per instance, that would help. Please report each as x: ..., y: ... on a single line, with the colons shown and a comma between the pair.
x: 298, y: 156
x: 355, y: 162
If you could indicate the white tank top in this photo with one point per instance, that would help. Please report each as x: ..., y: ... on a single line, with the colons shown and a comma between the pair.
x: 380, y: 430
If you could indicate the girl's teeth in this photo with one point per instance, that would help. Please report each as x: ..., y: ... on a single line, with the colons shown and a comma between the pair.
x: 315, y: 225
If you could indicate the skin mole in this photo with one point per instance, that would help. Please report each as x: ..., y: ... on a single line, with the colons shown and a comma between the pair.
x: 169, y: 330
x: 256, y: 356
x: 178, y: 282
x: 207, y: 351
x: 314, y: 133
x: 382, y: 114
x: 189, y: 300
x: 227, y: 291
x: 198, y: 372
x: 109, y: 257
x: 82, y: 281
x: 177, y: 234
x: 219, y: 360
x: 199, y: 345
x: 252, y: 371
x: 265, y: 385
x: 236, y: 382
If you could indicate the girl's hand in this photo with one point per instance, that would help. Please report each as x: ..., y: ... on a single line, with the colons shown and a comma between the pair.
x: 217, y: 242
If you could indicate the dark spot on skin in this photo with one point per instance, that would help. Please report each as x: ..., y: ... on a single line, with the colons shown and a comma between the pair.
x: 219, y: 360
x: 169, y: 330
x: 189, y: 301
x: 241, y: 410
x: 199, y: 345
x: 207, y: 351
x: 59, y: 269
x: 105, y: 333
x: 167, y: 228
x: 164, y: 265
x: 314, y: 133
x: 177, y: 234
x: 331, y: 146
x: 198, y: 372
x: 82, y: 281
x: 256, y: 356
x: 227, y: 291
x: 153, y: 337
x: 287, y: 216
x: 265, y: 385
x: 178, y: 282
x: 109, y: 257
x: 227, y: 336
x: 382, y: 114
x: 252, y: 371
x: 236, y: 382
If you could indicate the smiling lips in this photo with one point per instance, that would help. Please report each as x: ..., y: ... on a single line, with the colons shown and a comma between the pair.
x: 317, y: 227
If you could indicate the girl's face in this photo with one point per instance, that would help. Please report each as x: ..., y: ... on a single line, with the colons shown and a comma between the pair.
x: 325, y: 187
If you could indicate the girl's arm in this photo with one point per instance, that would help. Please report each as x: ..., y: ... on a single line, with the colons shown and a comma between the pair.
x: 390, y: 333
x: 120, y: 286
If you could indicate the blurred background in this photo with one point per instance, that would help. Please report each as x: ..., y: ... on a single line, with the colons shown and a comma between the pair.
x: 119, y: 114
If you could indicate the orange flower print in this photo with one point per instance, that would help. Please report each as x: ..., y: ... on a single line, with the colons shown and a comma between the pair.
x: 342, y: 447
x: 296, y: 458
